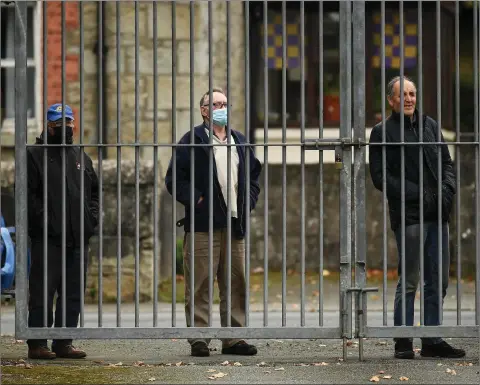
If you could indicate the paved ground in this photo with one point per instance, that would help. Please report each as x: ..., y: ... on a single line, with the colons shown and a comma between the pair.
x: 278, y: 361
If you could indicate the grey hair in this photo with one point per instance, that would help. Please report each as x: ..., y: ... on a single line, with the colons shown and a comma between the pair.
x: 214, y: 89
x: 391, y: 84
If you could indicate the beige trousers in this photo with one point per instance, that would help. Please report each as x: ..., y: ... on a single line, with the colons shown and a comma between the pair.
x: 200, y: 271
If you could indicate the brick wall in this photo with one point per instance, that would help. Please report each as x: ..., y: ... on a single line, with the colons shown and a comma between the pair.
x: 72, y: 61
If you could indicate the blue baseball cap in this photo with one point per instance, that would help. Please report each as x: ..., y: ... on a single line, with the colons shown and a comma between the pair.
x: 54, y: 112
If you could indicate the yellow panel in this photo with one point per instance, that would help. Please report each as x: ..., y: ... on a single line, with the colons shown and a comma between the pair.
x: 388, y: 50
x: 278, y: 19
x: 278, y: 62
x: 396, y: 40
x: 292, y: 51
x: 377, y: 18
x: 389, y: 29
x: 292, y: 29
x: 377, y: 40
x: 271, y: 30
x: 396, y: 18
x: 395, y: 62
x: 271, y: 51
x: 411, y: 29
x: 376, y: 61
x: 278, y: 41
x: 411, y: 51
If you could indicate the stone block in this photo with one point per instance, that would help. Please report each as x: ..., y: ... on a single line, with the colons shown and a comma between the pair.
x: 164, y: 20
x: 200, y: 57
x: 145, y: 60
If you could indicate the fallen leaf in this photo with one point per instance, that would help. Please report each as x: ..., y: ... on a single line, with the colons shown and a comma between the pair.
x: 225, y: 363
x: 315, y: 293
x: 28, y: 366
x: 237, y: 364
x: 115, y: 365
x: 258, y: 270
x: 279, y: 369
x: 99, y: 362
x: 349, y: 343
x: 191, y: 363
x: 374, y: 379
x: 174, y: 340
x: 21, y: 361
x: 323, y: 346
x: 340, y: 359
x: 381, y: 372
x: 217, y: 375
x: 326, y: 273
x: 179, y: 364
x: 302, y: 365
x: 440, y: 364
x: 139, y: 363
x: 169, y: 364
x: 152, y: 379
x: 267, y: 371
x: 403, y: 378
x: 295, y: 306
x: 381, y: 343
x: 387, y: 377
x: 261, y: 364
x: 211, y: 371
x: 320, y: 364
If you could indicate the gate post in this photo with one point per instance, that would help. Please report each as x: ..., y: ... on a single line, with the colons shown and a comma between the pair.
x: 358, y: 25
x: 21, y: 166
x: 345, y: 174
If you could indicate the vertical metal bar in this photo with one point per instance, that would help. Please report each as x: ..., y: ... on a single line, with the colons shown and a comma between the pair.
x: 320, y: 163
x: 21, y: 165
x: 229, y: 176
x: 284, y: 163
x: 64, y: 177
x: 302, y: 162
x: 384, y: 170
x: 119, y: 168
x: 174, y: 163
x: 137, y: 171
x: 45, y: 171
x: 155, y: 168
x: 265, y: 163
x: 210, y: 166
x: 476, y: 17
x: 439, y: 160
x: 421, y: 158
x: 82, y: 166
x: 358, y: 72
x: 345, y: 174
x: 192, y: 166
x: 457, y: 162
x: 247, y: 161
x: 402, y: 160
x: 100, y: 165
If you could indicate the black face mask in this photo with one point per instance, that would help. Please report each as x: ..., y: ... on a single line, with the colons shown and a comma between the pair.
x: 56, y: 137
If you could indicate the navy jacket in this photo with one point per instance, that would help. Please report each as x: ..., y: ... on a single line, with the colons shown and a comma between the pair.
x: 201, y: 183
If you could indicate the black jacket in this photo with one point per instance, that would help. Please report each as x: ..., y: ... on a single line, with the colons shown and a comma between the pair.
x: 36, y: 178
x: 412, y: 170
x: 201, y: 187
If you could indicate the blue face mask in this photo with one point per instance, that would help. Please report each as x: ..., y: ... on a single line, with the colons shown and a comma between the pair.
x: 220, y: 117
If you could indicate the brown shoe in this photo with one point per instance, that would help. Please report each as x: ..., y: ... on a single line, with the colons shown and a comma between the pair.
x: 68, y: 351
x: 40, y: 353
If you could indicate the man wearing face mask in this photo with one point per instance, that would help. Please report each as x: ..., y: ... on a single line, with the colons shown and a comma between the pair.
x: 38, y: 349
x: 238, y: 196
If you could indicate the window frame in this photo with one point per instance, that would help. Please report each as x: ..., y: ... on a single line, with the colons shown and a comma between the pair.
x: 7, y: 125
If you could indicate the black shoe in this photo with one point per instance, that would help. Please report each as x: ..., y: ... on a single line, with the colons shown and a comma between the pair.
x: 241, y: 348
x: 404, y: 349
x: 443, y: 350
x: 200, y: 349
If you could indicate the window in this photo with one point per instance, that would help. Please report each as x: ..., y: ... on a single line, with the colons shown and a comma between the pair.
x: 7, y: 65
x: 331, y: 80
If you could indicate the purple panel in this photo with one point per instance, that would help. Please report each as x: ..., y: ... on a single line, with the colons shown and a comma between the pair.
x: 388, y: 39
x: 388, y: 62
x: 411, y: 40
x: 271, y: 63
x: 278, y: 29
x: 293, y: 62
x: 270, y: 40
x: 410, y: 62
x: 377, y: 28
x: 292, y: 39
x: 278, y: 52
x: 396, y: 51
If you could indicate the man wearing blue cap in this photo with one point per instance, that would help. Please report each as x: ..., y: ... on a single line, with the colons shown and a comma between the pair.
x: 38, y: 349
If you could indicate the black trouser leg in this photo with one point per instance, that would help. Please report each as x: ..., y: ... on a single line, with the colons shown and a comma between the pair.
x: 73, y: 291
x: 36, y: 302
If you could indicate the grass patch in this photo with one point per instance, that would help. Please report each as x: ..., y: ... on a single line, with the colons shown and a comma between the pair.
x: 56, y: 374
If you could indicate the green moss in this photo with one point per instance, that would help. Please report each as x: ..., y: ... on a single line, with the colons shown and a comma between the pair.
x: 55, y: 374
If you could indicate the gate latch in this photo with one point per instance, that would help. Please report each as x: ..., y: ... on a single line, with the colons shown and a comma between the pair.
x: 337, y: 145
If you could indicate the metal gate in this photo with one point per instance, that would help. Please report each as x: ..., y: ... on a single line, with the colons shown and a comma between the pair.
x: 350, y: 157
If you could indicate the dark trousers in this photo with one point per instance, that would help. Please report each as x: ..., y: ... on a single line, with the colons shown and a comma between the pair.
x: 430, y: 241
x: 54, y: 285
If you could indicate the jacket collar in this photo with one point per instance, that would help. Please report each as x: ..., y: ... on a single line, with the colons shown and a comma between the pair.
x: 201, y: 133
x: 408, y: 122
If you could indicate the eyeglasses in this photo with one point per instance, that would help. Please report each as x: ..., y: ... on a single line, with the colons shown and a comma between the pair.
x: 217, y: 105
